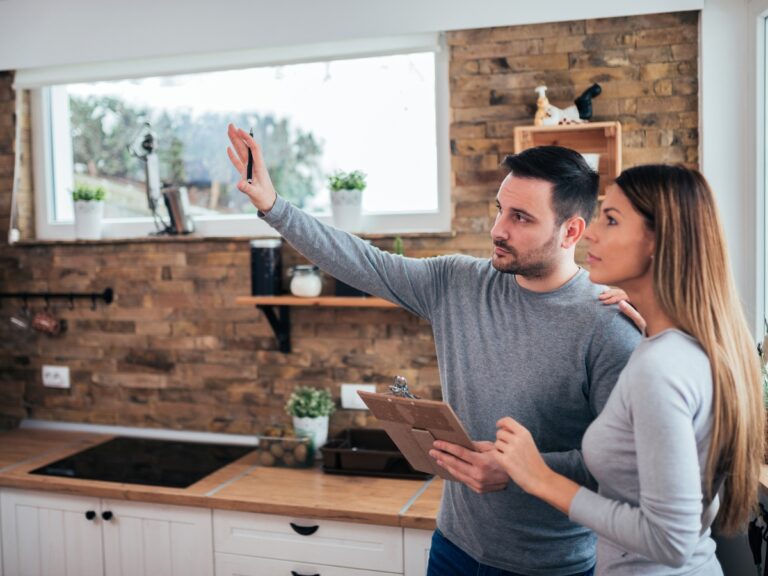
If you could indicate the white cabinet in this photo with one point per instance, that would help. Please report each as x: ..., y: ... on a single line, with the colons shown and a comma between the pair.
x: 236, y: 565
x: 155, y: 539
x: 266, y: 544
x: 416, y: 545
x: 47, y: 534
x: 50, y: 535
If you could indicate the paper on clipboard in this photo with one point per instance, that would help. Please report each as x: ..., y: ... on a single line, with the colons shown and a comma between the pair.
x: 414, y: 424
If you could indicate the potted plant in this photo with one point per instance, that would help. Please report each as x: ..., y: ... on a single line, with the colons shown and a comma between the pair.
x: 347, y: 198
x: 89, y: 211
x: 310, y: 408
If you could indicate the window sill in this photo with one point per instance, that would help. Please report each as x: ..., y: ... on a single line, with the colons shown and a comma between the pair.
x: 193, y: 238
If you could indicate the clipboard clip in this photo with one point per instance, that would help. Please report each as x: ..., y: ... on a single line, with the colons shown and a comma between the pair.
x: 399, y: 387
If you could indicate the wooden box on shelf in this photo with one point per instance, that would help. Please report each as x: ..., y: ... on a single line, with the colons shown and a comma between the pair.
x: 602, y: 138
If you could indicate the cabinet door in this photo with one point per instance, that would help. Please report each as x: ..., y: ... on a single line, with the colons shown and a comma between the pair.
x: 234, y: 565
x: 416, y: 545
x: 328, y: 542
x: 143, y: 539
x: 49, y: 534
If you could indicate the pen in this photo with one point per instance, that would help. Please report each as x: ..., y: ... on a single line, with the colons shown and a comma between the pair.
x: 249, y: 173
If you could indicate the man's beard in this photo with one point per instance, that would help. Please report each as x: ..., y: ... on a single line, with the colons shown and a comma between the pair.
x: 537, y: 263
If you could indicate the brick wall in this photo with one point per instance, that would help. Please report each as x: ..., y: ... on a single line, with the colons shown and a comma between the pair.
x: 173, y: 350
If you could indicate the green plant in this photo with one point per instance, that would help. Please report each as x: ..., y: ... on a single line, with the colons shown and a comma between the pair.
x: 398, y: 246
x: 310, y: 403
x: 341, y: 180
x: 83, y: 192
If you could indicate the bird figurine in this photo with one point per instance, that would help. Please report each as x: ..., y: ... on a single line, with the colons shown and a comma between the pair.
x: 580, y: 111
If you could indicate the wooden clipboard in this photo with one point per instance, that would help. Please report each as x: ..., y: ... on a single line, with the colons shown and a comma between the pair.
x: 414, y: 424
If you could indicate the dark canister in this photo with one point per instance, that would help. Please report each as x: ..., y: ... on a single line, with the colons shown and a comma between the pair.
x: 266, y: 267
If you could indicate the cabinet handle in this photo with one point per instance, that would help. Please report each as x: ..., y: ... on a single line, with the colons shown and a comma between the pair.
x: 90, y: 515
x: 294, y: 573
x: 107, y: 515
x: 304, y: 530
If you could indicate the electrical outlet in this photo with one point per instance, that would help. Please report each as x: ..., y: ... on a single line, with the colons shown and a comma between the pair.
x: 56, y: 376
x: 349, y: 397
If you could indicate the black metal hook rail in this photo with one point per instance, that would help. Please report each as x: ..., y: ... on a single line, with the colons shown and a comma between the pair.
x: 108, y: 295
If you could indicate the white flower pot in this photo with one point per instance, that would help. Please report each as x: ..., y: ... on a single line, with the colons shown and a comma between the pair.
x: 346, y: 206
x: 88, y: 216
x: 315, y: 428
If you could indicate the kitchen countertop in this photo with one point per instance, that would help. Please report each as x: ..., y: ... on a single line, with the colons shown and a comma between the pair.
x: 242, y: 485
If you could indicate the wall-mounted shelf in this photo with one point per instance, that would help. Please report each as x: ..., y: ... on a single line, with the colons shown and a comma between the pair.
x: 329, y: 301
x: 277, y: 310
x: 602, y: 138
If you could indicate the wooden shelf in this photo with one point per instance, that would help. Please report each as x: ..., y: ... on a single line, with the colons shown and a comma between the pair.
x: 277, y: 310
x: 327, y: 301
x: 602, y: 138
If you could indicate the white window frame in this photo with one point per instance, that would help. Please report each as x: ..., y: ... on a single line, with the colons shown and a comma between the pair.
x: 42, y: 84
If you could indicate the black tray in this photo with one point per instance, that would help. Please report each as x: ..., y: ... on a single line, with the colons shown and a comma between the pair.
x: 367, y: 452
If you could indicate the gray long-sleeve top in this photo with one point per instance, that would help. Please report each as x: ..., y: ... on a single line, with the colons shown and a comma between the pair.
x: 648, y: 451
x: 548, y: 360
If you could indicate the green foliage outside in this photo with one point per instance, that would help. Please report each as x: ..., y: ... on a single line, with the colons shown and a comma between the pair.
x: 310, y: 403
x: 765, y: 386
x: 341, y: 180
x: 191, y: 149
x: 86, y: 193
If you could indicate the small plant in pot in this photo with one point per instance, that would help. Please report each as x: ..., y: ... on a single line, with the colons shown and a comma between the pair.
x: 89, y: 211
x: 347, y: 198
x: 310, y: 408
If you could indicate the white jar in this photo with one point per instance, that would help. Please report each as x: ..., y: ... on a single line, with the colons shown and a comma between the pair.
x: 306, y: 281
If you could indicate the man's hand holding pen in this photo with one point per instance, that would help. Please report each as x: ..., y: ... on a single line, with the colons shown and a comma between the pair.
x: 246, y: 157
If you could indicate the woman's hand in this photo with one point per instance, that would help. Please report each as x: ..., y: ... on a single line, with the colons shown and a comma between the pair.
x: 516, y: 452
x: 618, y: 296
x: 612, y: 296
x: 261, y: 192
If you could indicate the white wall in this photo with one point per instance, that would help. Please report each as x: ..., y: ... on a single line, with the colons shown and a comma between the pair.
x: 728, y: 151
x: 35, y: 33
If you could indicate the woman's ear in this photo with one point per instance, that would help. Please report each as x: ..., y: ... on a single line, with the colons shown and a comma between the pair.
x: 650, y: 240
x: 573, y: 229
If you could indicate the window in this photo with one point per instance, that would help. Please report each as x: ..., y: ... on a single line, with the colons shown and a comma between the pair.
x: 382, y: 112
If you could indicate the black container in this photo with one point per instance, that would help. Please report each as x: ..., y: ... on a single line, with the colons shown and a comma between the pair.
x: 266, y: 267
x: 367, y: 452
x: 344, y: 289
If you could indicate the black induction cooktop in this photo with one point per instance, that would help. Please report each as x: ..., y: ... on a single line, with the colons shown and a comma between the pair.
x: 168, y: 463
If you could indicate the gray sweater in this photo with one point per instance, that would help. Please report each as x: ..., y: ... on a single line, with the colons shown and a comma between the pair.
x: 549, y: 360
x: 648, y: 450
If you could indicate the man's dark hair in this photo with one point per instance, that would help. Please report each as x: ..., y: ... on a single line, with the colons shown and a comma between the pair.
x: 574, y: 183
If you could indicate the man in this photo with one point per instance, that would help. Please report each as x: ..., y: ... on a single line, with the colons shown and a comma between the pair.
x: 522, y: 334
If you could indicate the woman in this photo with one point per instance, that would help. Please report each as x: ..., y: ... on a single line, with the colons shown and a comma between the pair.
x: 686, y: 415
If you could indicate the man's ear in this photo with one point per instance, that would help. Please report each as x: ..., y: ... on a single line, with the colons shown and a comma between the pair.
x: 572, y: 231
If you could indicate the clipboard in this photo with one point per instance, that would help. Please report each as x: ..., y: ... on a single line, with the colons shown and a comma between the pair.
x: 414, y: 424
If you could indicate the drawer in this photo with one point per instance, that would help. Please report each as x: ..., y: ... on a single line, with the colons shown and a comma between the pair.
x: 234, y: 565
x: 327, y: 542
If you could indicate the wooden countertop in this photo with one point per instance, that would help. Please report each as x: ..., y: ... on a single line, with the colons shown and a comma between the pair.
x: 241, y: 486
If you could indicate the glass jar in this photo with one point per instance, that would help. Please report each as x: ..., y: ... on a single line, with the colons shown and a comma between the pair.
x: 306, y: 281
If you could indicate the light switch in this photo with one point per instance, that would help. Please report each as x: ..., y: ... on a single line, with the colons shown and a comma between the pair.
x: 349, y: 398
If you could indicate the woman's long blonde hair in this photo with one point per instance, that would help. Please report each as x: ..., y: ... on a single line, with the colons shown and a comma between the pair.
x: 693, y: 283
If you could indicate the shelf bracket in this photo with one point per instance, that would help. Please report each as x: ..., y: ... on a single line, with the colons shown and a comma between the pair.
x: 281, y: 325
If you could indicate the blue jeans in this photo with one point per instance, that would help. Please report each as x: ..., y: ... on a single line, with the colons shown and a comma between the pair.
x: 447, y: 559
